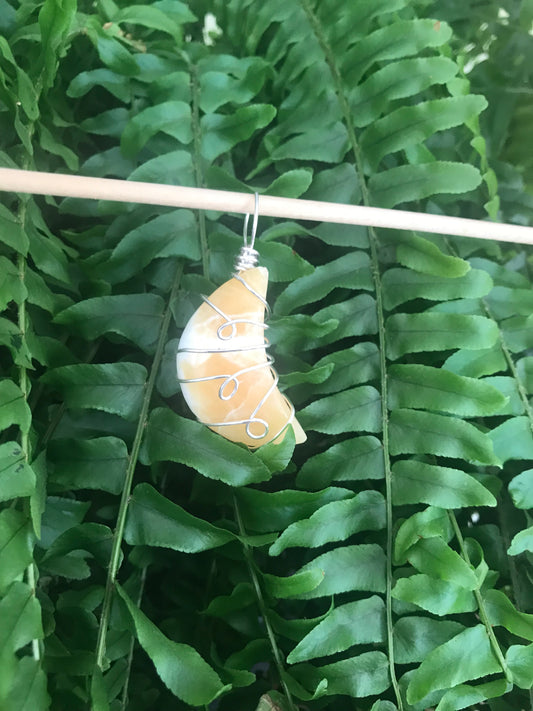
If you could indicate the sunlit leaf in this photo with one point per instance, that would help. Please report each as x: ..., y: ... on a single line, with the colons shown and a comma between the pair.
x: 428, y: 523
x: 20, y: 618
x: 55, y: 19
x: 407, y: 183
x: 359, y: 676
x: 354, y: 317
x: 221, y: 132
x: 351, y: 271
x: 336, y: 521
x: 409, y: 333
x: 505, y: 302
x: 401, y: 285
x: 423, y: 256
x: 413, y: 124
x: 438, y: 486
x: 153, y: 520
x: 424, y: 387
x: 15, y: 546
x: 170, y: 168
x: 263, y: 511
x: 513, y: 439
x: 137, y: 317
x: 357, y: 567
x: 434, y: 557
x: 518, y: 333
x: 12, y: 287
x: 383, y: 706
x: 16, y: 476
x: 401, y: 39
x: 112, y: 52
x: 338, y: 632
x: 395, y: 81
x: 181, y: 668
x: 468, y: 655
x: 439, y: 597
x: 173, y: 438
x: 305, y: 581
x: 476, y: 363
x: 338, y: 184
x: 113, y: 82
x: 171, y: 117
x: 352, y: 366
x: 415, y: 637
x: 219, y: 85
x: 315, y: 145
x: 351, y: 410
x: 525, y: 370
x: 28, y: 691
x: 501, y: 611
x: 521, y: 490
x: 522, y: 541
x: 509, y: 389
x: 464, y: 695
x: 300, y: 332
x: 98, y: 463
x: 112, y: 387
x: 413, y: 431
x: 280, y: 260
x: 94, y: 538
x: 173, y: 234
x: 241, y: 596
x: 150, y: 17
x: 350, y: 460
x: 519, y: 658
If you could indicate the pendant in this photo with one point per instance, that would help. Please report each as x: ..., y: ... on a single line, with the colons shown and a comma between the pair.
x: 225, y: 372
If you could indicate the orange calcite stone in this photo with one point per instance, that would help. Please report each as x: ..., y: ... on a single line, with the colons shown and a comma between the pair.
x: 222, y: 353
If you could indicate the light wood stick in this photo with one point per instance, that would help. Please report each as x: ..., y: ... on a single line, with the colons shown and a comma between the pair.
x: 25, y: 181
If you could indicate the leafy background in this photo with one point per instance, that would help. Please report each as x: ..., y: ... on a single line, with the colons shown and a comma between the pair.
x: 385, y: 564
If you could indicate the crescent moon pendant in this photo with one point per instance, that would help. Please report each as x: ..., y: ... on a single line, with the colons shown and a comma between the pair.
x: 226, y: 375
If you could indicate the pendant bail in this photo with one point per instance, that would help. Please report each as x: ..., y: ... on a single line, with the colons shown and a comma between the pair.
x: 248, y: 257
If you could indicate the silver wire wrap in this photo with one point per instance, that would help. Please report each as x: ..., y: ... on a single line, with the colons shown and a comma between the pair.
x: 248, y: 256
x: 246, y: 259
x: 232, y: 379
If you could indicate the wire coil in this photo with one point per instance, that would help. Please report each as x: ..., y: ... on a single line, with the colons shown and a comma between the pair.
x: 247, y: 258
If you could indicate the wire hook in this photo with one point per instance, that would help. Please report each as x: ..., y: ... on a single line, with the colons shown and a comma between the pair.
x: 248, y: 256
x: 254, y: 224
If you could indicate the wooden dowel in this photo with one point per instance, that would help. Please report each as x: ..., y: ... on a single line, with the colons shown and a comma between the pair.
x: 25, y: 181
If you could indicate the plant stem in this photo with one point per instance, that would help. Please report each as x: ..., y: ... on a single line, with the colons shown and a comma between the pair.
x: 374, y: 243
x: 504, y: 499
x: 22, y: 324
x: 58, y: 414
x: 32, y: 582
x: 512, y: 367
x: 481, y: 603
x: 124, y: 700
x: 116, y: 550
x: 200, y: 182
x: 263, y: 607
x: 387, y: 464
x: 24, y: 384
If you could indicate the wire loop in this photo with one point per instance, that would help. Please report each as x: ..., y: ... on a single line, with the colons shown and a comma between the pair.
x: 254, y: 224
x: 248, y: 256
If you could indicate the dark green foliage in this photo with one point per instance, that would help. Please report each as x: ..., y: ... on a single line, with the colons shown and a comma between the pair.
x: 385, y: 564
